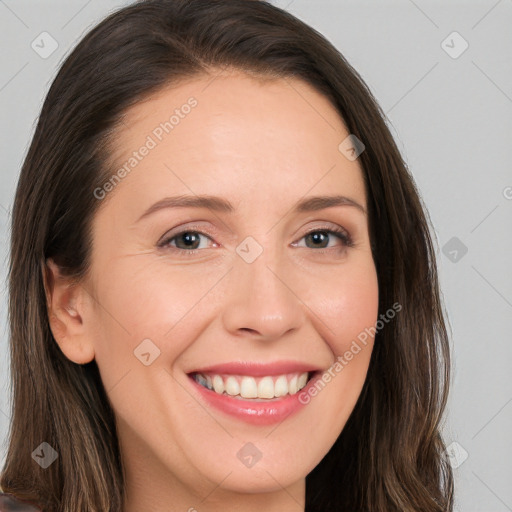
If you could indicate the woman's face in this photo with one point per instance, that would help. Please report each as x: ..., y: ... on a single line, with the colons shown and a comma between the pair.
x: 184, y: 288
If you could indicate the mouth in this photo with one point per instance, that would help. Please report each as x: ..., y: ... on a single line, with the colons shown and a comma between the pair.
x: 255, y: 393
x: 256, y: 389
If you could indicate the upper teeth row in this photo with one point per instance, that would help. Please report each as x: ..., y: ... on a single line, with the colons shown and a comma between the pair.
x: 250, y: 387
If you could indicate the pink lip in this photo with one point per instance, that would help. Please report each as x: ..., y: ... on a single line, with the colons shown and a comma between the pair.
x: 257, y: 413
x: 258, y: 369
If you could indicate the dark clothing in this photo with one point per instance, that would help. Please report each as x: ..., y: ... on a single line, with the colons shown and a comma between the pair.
x: 8, y: 503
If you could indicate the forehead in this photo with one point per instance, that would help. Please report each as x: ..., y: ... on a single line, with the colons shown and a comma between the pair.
x: 231, y: 135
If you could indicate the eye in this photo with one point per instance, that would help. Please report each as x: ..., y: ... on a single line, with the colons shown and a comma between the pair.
x: 319, y: 236
x: 188, y: 241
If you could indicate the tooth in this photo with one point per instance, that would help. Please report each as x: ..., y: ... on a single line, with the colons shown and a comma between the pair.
x: 266, y: 388
x: 232, y: 386
x: 248, y: 388
x: 292, y: 386
x: 302, y: 380
x: 281, y: 386
x: 200, y: 379
x: 218, y: 384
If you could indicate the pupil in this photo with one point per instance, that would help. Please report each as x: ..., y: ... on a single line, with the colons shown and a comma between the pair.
x: 188, y: 238
x: 317, y: 237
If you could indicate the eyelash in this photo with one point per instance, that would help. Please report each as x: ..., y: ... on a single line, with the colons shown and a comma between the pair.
x: 339, y: 232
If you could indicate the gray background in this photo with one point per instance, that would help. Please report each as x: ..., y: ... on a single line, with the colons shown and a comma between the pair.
x: 452, y: 118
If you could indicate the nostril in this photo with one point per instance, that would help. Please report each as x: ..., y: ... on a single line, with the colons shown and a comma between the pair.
x: 252, y: 331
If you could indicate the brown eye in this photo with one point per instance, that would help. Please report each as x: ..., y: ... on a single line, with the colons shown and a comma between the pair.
x: 185, y: 240
x: 319, y: 237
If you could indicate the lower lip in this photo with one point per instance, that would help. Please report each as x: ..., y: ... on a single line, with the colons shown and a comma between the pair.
x: 257, y: 413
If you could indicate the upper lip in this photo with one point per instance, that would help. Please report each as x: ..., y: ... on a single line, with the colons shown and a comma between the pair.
x: 258, y: 369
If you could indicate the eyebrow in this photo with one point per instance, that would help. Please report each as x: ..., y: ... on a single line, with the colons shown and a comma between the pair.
x: 218, y: 204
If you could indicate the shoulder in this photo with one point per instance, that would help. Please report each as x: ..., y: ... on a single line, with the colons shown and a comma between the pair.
x: 8, y: 503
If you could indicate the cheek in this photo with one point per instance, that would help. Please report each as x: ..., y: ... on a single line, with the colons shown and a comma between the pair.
x: 141, y: 298
x: 348, y: 306
x: 139, y: 302
x: 347, y: 302
x: 147, y: 297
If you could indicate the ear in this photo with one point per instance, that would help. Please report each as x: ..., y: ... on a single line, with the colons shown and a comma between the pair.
x: 66, y: 305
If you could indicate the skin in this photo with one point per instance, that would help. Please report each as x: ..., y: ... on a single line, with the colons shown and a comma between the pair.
x: 262, y: 145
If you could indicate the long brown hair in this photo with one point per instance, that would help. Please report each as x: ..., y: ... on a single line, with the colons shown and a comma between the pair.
x: 390, y: 455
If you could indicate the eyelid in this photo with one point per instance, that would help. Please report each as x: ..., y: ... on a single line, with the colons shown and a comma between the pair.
x: 183, y: 229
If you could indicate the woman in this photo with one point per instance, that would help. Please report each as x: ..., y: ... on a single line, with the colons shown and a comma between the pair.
x: 256, y: 369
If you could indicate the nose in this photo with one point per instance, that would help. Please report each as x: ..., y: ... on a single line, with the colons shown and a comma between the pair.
x: 261, y: 300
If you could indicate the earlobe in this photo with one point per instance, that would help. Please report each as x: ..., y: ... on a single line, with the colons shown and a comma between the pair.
x: 66, y: 308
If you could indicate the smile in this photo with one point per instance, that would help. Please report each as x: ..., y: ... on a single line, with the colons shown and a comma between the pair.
x: 248, y: 387
x: 268, y: 395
